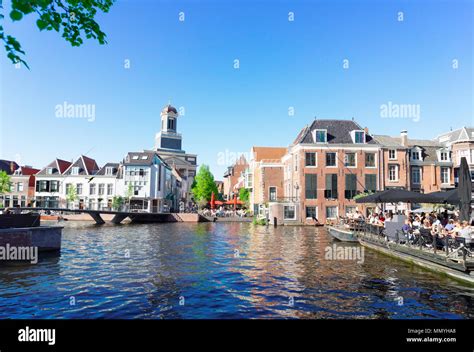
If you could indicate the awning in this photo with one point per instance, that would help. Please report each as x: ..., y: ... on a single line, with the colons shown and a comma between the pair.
x: 397, y: 196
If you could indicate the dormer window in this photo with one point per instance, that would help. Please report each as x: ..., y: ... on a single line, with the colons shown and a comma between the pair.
x: 49, y: 171
x: 75, y: 170
x: 358, y: 137
x: 144, y: 157
x: 109, y: 170
x: 416, y: 155
x: 135, y: 157
x: 320, y: 136
x: 443, y: 155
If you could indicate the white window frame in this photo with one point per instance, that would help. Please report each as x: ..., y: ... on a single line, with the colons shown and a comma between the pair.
x: 269, y: 193
x: 325, y: 136
x: 353, y: 136
x: 397, y: 172
x: 375, y: 160
x: 75, y: 170
x: 394, y: 154
x: 345, y: 161
x: 420, y: 177
x: 336, y: 160
x: 448, y: 175
x: 315, y: 159
x: 332, y: 206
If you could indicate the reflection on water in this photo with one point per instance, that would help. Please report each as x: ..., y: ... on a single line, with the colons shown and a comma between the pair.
x: 217, y: 270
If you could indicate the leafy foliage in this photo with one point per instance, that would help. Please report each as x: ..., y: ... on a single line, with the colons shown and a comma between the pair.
x: 74, y: 19
x: 5, y: 182
x: 71, y: 195
x: 204, y: 184
x: 244, y: 195
x: 117, y: 202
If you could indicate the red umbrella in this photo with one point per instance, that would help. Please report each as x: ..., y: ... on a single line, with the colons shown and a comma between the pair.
x: 213, y: 201
x: 218, y: 202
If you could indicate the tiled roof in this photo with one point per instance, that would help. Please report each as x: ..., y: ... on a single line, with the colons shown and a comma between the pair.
x: 395, y: 142
x: 26, y: 171
x: 115, y: 169
x: 261, y: 153
x: 461, y: 134
x: 142, y: 158
x: 58, y: 167
x: 87, y: 166
x: 338, y: 132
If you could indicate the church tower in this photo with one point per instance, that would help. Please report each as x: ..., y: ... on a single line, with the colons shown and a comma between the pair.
x: 168, y: 137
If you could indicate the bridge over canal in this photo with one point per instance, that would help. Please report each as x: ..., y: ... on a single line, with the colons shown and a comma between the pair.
x: 119, y: 216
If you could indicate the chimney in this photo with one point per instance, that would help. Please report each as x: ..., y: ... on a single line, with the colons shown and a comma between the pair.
x: 12, y: 167
x: 366, y: 130
x: 404, y: 138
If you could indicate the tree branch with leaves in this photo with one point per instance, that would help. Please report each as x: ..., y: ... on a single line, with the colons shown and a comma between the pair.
x: 72, y: 18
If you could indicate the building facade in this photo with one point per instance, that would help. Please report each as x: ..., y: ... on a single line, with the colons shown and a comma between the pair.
x: 234, y: 178
x: 266, y: 173
x: 328, y: 164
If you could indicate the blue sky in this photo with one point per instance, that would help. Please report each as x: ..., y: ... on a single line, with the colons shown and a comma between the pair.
x: 283, y: 64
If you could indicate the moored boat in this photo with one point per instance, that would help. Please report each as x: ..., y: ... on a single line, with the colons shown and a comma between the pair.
x: 342, y: 234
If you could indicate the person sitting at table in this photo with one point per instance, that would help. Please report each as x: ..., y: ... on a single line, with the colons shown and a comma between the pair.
x: 381, y: 218
x: 374, y: 218
x: 465, y: 231
x: 416, y: 223
x: 450, y: 228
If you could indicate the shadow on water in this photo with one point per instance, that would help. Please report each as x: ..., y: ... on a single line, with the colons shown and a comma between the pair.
x: 220, y: 270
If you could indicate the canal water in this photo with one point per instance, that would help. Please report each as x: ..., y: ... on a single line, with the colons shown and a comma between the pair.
x: 221, y: 270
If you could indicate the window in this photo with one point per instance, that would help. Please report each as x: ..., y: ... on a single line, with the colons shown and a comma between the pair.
x: 310, y: 159
x: 416, y: 175
x: 330, y: 159
x: 369, y: 159
x: 144, y: 157
x: 109, y: 170
x: 49, y: 171
x: 445, y: 175
x: 350, y: 210
x: 310, y: 186
x: 350, y: 159
x: 19, y: 187
x: 110, y: 188
x: 289, y: 212
x: 331, y: 186
x: 359, y: 137
x: 320, y: 136
x: 415, y: 155
x: 92, y: 189
x: 351, y: 186
x: 79, y: 188
x: 444, y: 156
x: 311, y: 212
x: 392, y: 154
x: 54, y: 186
x: 135, y: 157
x: 371, y: 183
x: 393, y: 173
x: 101, y: 189
x: 75, y: 170
x: 331, y: 212
x: 272, y: 194
x: 296, y: 162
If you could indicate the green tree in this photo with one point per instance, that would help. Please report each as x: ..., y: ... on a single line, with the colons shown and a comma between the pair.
x: 73, y: 19
x: 71, y: 194
x: 204, y: 185
x: 244, y: 195
x: 5, y: 184
x: 117, y: 202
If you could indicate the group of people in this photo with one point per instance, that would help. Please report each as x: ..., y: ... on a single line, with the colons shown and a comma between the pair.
x: 222, y: 212
x: 441, y: 225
